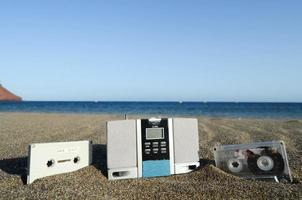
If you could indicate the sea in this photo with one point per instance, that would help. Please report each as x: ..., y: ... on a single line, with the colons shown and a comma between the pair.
x: 208, y: 109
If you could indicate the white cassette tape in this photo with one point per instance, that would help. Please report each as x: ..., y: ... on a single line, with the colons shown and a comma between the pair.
x: 262, y: 160
x: 46, y: 159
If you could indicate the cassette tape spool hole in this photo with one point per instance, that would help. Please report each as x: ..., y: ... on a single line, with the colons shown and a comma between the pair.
x: 265, y: 163
x: 235, y: 165
x: 76, y: 160
x: 50, y: 163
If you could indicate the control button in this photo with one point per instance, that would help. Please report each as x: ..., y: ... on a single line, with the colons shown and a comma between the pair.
x: 147, y: 151
x: 147, y: 143
x: 155, y: 143
x: 155, y: 149
x: 163, y: 144
x: 155, y: 152
x: 163, y: 149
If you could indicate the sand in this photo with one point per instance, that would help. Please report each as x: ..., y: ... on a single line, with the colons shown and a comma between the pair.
x: 17, y: 130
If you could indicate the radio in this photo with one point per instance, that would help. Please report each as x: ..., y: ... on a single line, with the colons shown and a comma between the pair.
x: 151, y: 147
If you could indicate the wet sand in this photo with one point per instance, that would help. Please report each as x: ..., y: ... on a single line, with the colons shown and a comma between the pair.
x: 17, y: 130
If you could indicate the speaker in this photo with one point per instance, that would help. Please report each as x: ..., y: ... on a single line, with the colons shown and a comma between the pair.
x: 186, y: 144
x: 121, y: 149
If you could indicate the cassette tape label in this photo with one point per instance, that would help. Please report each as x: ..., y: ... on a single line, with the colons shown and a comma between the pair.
x: 68, y: 150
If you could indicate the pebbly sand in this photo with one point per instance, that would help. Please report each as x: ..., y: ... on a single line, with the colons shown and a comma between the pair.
x: 17, y: 130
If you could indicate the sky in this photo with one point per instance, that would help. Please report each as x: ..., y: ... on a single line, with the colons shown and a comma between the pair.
x: 159, y: 50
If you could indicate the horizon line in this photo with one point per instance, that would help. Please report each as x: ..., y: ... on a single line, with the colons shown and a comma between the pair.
x: 158, y: 101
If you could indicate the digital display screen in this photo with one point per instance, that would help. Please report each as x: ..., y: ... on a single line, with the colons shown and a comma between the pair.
x: 154, y: 133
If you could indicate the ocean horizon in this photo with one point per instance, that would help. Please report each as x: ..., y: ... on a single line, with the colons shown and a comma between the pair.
x: 162, y: 108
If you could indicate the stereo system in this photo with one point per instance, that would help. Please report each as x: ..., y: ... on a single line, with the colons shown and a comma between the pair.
x: 151, y: 147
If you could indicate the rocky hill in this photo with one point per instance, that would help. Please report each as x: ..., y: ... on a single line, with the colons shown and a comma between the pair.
x: 6, y: 95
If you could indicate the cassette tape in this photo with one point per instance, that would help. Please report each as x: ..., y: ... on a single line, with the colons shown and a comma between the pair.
x: 263, y: 160
x: 46, y: 159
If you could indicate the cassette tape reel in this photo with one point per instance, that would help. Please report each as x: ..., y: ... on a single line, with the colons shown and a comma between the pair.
x: 263, y: 160
x: 46, y: 159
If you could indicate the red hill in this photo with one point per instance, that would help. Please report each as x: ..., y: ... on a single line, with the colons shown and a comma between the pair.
x: 6, y: 95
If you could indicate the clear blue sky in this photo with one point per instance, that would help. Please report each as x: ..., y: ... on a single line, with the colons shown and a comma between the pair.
x: 152, y: 50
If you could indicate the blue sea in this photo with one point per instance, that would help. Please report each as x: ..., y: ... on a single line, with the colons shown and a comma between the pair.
x: 210, y: 109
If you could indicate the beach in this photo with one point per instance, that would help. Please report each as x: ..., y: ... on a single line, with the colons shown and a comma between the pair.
x: 18, y: 130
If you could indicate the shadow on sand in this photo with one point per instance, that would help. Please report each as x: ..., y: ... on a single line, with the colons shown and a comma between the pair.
x: 204, y: 162
x: 99, y: 158
x: 15, y: 166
